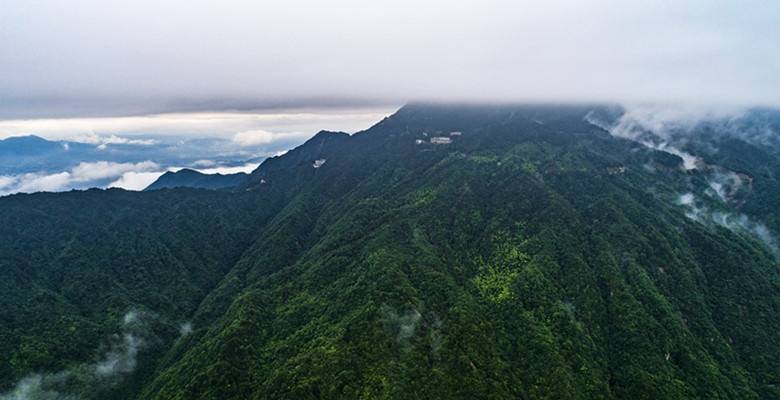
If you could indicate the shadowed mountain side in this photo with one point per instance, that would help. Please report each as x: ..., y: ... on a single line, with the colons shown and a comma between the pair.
x: 194, y: 179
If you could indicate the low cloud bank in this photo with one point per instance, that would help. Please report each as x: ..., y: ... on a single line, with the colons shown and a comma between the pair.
x: 245, y: 128
x: 259, y: 137
x: 132, y: 180
x: 106, y: 174
x: 103, y: 141
x: 83, y: 175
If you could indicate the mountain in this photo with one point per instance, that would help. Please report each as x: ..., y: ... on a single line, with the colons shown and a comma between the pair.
x: 32, y: 154
x: 190, y: 178
x: 449, y: 251
x: 27, y: 145
x: 20, y: 154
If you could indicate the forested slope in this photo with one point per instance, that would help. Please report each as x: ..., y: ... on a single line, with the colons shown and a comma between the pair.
x: 535, y: 255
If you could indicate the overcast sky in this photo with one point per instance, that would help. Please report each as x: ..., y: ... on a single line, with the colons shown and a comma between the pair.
x: 80, y: 58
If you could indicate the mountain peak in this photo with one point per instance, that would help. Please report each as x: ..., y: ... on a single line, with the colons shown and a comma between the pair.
x: 187, y: 177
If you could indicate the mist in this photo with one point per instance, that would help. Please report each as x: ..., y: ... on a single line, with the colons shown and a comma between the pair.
x: 671, y: 129
x: 96, y: 58
x: 117, y: 360
x: 738, y: 223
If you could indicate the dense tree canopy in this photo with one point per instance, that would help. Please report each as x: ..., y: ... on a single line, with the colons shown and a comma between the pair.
x: 534, y: 256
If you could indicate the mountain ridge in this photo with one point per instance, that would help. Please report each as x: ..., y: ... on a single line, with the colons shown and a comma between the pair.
x: 187, y: 177
x: 535, y: 255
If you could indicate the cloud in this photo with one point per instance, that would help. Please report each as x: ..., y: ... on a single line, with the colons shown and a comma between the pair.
x: 39, y: 387
x: 253, y: 138
x: 6, y: 181
x: 117, y: 361
x: 204, y: 163
x: 122, y: 357
x: 686, y: 199
x: 725, y: 184
x: 668, y: 128
x: 666, y: 119
x: 295, y: 123
x: 741, y: 222
x: 34, y: 182
x: 736, y: 222
x: 404, y: 325
x: 665, y: 127
x: 386, y: 50
x: 185, y: 329
x: 260, y: 137
x: 246, y: 168
x: 128, y: 176
x: 103, y: 141
x: 135, y: 180
x: 85, y: 174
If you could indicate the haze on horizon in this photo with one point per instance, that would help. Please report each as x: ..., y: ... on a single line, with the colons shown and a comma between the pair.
x: 95, y: 58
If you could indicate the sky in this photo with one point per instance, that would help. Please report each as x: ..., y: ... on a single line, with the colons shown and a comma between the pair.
x: 242, y: 127
x: 232, y: 82
x: 87, y: 58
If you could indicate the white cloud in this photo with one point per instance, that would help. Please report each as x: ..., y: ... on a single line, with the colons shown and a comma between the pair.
x: 469, y: 49
x: 87, y: 171
x: 129, y: 175
x: 204, y: 163
x: 6, y: 181
x: 33, y: 182
x: 662, y: 126
x: 103, y: 141
x: 665, y: 119
x: 246, y: 168
x: 120, y: 359
x: 185, y: 329
x: 686, y: 199
x: 259, y: 137
x: 294, y: 123
x: 736, y: 222
x: 135, y: 180
x: 690, y: 161
x: 253, y: 138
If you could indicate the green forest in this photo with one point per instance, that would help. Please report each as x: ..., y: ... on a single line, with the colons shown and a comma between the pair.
x: 533, y: 256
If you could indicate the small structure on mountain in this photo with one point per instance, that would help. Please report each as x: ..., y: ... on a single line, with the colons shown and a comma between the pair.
x: 441, y: 140
x: 319, y: 163
x: 456, y: 133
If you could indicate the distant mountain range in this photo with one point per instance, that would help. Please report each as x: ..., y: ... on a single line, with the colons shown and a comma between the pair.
x: 34, y: 154
x: 194, y: 179
x: 31, y: 163
x: 447, y: 252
